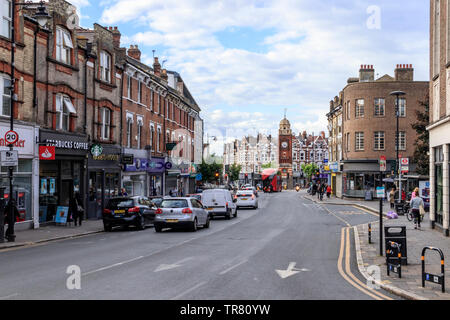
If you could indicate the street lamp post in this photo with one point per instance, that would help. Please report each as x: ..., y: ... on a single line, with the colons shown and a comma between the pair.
x: 397, y: 143
x: 42, y: 17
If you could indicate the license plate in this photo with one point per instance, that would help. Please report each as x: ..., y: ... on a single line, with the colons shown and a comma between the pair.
x: 244, y: 199
x: 119, y: 211
x: 209, y: 209
x: 172, y: 221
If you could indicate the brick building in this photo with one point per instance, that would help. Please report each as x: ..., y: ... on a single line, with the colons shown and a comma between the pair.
x: 369, y: 126
x: 94, y: 102
x: 439, y: 127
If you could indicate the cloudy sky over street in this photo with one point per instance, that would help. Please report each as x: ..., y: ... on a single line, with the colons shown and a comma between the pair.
x: 245, y: 61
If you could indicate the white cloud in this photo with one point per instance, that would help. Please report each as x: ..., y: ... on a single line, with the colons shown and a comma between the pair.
x: 311, y: 48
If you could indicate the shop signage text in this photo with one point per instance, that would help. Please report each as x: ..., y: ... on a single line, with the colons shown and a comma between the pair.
x: 107, y: 157
x: 64, y: 144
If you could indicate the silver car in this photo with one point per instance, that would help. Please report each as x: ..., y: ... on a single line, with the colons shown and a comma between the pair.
x: 181, y: 213
x: 246, y: 199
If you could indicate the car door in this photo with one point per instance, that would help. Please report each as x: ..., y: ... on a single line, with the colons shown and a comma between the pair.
x: 144, y: 204
x: 199, y: 211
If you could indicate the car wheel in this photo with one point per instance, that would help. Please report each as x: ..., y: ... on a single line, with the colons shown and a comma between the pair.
x: 141, y: 224
x: 235, y: 213
x: 194, y: 226
x: 107, y: 227
x: 228, y: 216
x: 206, y: 226
x: 158, y: 229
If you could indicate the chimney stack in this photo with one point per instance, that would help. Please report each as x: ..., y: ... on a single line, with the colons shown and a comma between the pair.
x: 404, y: 72
x: 157, y: 67
x: 164, y: 75
x: 116, y: 36
x: 134, y: 52
x: 366, y: 73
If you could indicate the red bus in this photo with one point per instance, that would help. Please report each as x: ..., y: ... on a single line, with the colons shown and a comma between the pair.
x: 271, y: 180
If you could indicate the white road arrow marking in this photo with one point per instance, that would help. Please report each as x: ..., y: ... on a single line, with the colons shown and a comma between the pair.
x: 165, y: 267
x: 291, y: 270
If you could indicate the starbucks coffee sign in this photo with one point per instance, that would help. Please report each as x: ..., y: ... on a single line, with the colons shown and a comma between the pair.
x: 96, y: 150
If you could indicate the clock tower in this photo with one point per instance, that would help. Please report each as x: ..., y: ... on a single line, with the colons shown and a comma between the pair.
x: 285, y: 152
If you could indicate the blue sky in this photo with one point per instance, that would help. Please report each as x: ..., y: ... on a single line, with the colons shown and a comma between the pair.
x: 245, y: 61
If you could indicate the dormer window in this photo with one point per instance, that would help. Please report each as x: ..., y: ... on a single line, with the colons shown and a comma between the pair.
x: 105, y: 66
x: 64, y: 46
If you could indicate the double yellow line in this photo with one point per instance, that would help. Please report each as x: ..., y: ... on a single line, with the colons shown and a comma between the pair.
x: 346, y: 272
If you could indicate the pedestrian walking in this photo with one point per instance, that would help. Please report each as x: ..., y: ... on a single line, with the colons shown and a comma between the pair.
x: 76, y: 209
x: 321, y: 191
x: 416, y: 205
x: 9, y: 235
x: 413, y: 195
x: 392, y: 198
x: 328, y: 192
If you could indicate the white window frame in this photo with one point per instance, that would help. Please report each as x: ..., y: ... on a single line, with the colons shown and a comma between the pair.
x: 63, y: 108
x: 129, y: 86
x: 106, y: 123
x: 6, y: 9
x: 105, y: 66
x: 379, y: 105
x: 152, y: 135
x: 359, y: 108
x: 130, y: 122
x: 359, y: 141
x: 64, y: 45
x: 402, y: 108
x: 139, y: 91
x: 379, y: 140
x: 402, y: 141
x: 5, y: 89
x: 158, y: 139
x: 140, y: 124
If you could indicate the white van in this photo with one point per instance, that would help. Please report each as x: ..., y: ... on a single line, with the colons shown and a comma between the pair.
x: 219, y: 202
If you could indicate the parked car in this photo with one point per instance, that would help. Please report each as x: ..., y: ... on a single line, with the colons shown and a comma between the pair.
x: 219, y: 202
x: 247, y: 199
x: 181, y: 213
x: 253, y: 189
x: 128, y: 211
x: 157, y: 201
x: 197, y: 196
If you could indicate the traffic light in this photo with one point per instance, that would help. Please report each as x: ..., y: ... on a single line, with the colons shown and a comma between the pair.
x: 217, y: 175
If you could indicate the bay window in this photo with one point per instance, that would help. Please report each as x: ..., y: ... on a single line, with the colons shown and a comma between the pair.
x: 63, y: 109
x: 64, y: 45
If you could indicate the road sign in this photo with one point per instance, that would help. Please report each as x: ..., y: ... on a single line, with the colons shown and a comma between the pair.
x: 404, y: 165
x: 383, y: 166
x: 11, y: 137
x: 9, y: 158
x: 381, y: 192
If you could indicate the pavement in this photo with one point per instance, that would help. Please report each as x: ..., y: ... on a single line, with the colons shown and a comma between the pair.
x: 52, y: 233
x: 410, y: 285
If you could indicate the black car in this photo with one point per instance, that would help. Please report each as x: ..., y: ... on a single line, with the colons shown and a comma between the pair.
x: 128, y: 211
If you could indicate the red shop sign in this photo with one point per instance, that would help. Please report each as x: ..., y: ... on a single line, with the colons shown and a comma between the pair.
x: 47, y: 153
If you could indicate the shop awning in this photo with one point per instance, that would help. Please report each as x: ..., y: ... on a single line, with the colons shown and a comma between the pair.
x: 173, y: 173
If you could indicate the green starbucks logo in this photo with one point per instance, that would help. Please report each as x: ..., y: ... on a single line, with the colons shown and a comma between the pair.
x: 96, y: 150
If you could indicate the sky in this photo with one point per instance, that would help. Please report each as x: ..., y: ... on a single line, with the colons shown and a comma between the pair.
x: 247, y: 61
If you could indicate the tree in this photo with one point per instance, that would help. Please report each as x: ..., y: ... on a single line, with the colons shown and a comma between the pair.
x: 233, y: 172
x: 310, y: 169
x: 209, y: 171
x: 267, y: 165
x: 422, y: 143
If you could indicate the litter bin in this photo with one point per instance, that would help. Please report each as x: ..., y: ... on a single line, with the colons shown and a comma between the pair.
x: 397, y: 234
x: 400, y: 208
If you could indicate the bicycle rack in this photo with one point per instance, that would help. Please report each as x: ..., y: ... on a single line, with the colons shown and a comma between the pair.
x: 438, y: 279
x: 391, y: 266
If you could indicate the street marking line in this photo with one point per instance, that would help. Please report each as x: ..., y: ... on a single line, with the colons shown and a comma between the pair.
x: 189, y: 290
x: 341, y: 270
x: 112, y: 266
x: 343, y: 220
x: 10, y: 296
x: 233, y: 267
x: 349, y: 272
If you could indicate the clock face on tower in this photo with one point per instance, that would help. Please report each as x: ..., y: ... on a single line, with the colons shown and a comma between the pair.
x: 284, y: 145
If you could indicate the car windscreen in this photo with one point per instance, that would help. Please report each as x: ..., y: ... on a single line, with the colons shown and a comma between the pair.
x: 175, y: 203
x: 157, y: 202
x: 120, y: 203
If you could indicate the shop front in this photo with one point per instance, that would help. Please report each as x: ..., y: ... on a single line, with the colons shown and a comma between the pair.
x: 25, y: 180
x: 134, y: 174
x: 61, y: 171
x: 156, y: 170
x: 104, y: 170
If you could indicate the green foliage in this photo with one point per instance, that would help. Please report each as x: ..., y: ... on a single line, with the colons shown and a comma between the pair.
x: 209, y: 171
x: 422, y: 144
x: 268, y: 166
x: 310, y: 169
x: 233, y: 172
